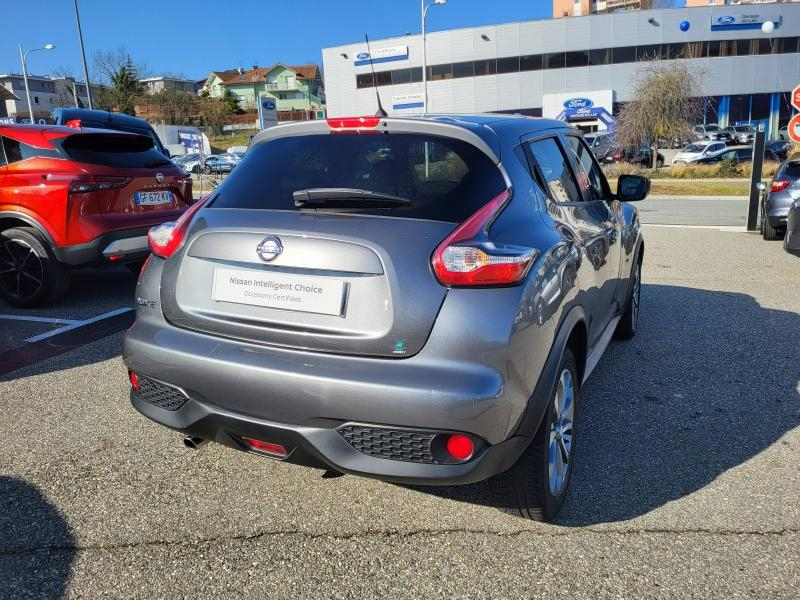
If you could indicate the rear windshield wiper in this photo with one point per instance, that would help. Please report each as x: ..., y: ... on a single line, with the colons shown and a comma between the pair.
x: 345, y: 197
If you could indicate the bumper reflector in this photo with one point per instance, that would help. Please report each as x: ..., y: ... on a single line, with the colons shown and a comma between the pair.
x: 274, y: 450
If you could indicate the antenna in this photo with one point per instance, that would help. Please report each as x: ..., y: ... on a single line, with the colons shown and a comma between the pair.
x: 381, y: 112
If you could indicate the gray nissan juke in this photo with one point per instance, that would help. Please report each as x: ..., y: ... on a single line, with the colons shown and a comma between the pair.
x: 417, y: 300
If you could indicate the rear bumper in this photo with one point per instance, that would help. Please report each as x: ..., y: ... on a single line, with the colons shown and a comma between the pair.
x: 777, y: 210
x: 128, y: 245
x: 322, y: 446
x: 791, y: 242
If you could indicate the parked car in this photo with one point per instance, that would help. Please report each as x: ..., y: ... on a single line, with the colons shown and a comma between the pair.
x: 711, y: 133
x: 738, y: 155
x: 741, y: 134
x: 642, y: 156
x: 601, y: 143
x: 783, y: 133
x: 212, y: 164
x: 697, y: 150
x: 780, y: 148
x: 72, y: 197
x: 102, y: 119
x: 783, y: 190
x: 791, y: 240
x: 289, y: 316
x: 232, y: 157
x: 186, y: 159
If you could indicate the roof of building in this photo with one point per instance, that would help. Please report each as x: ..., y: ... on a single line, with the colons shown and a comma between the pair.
x: 6, y: 94
x: 260, y: 73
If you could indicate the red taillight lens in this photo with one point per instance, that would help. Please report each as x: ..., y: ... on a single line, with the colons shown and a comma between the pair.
x: 779, y: 185
x: 165, y: 239
x: 134, y: 380
x: 82, y: 184
x: 467, y: 257
x: 275, y: 450
x: 74, y: 123
x: 460, y: 447
x: 354, y: 123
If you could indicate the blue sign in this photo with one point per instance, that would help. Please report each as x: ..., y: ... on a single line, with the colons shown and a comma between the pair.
x: 574, y: 103
x: 580, y: 114
x: 362, y: 55
x: 726, y: 20
x: 744, y: 21
x: 269, y: 104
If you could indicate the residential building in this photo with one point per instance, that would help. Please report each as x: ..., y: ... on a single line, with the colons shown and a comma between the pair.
x: 154, y: 85
x: 581, y: 69
x: 297, y: 91
x: 582, y: 8
x: 46, y: 93
x: 728, y: 2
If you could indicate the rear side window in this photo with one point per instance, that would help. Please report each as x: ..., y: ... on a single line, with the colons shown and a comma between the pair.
x: 590, y: 177
x: 17, y: 151
x: 124, y: 151
x: 555, y: 170
x: 792, y: 170
x: 444, y: 178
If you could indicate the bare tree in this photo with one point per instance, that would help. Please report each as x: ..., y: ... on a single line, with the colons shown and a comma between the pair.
x: 120, y: 74
x: 666, y: 101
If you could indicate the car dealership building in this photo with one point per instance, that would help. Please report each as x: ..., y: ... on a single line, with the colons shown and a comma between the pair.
x: 579, y: 69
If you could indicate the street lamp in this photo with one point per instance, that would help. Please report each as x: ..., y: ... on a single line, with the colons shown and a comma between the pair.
x: 424, y: 8
x: 22, y: 57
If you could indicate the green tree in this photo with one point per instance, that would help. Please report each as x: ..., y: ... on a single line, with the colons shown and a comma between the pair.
x: 120, y: 76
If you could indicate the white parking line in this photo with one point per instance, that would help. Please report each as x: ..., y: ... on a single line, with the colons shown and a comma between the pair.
x: 76, y: 324
x: 730, y: 228
x: 39, y: 319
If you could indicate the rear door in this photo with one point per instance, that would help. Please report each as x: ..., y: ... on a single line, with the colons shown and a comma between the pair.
x: 346, y: 276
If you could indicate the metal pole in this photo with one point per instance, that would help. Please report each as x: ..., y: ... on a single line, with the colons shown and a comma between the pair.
x: 755, y: 179
x: 75, y: 92
x: 83, y: 56
x: 25, y: 79
x: 423, y: 10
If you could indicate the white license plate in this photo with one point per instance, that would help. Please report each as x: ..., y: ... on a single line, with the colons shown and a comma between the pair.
x: 153, y: 198
x: 303, y: 293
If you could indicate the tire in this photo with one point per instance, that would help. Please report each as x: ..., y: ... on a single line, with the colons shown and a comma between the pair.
x: 207, y: 170
x: 768, y: 232
x: 30, y: 275
x: 525, y: 490
x: 629, y: 322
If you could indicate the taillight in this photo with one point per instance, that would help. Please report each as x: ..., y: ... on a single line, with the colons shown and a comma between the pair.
x: 74, y: 123
x: 467, y: 257
x: 270, y: 448
x: 134, y: 380
x: 82, y: 184
x: 460, y: 447
x: 779, y: 185
x: 165, y: 239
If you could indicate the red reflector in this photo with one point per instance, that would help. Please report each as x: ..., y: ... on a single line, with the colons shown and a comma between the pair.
x: 460, y: 446
x: 165, y: 239
x: 134, y: 380
x: 114, y: 257
x: 467, y: 256
x: 354, y: 122
x: 267, y: 447
x: 74, y: 123
x: 779, y: 185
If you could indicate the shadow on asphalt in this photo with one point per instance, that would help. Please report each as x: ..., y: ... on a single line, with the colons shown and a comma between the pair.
x: 37, y: 547
x: 709, y: 382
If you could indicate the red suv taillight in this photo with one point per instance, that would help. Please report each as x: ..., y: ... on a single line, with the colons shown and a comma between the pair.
x: 165, y: 239
x: 467, y: 257
x: 82, y: 184
x: 779, y: 185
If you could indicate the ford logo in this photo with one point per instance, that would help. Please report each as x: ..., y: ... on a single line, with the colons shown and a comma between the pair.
x: 578, y: 103
x: 269, y: 104
x: 362, y: 55
x: 269, y: 248
x: 726, y: 20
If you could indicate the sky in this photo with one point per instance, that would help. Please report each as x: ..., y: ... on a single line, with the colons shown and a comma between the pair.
x: 192, y: 38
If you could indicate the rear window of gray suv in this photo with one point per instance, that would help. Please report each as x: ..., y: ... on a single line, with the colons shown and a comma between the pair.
x: 445, y: 179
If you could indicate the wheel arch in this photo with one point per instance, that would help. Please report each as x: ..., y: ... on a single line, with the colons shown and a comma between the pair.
x: 13, y: 218
x: 572, y: 333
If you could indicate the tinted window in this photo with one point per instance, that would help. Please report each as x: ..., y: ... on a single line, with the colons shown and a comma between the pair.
x: 485, y: 67
x: 401, y: 76
x: 531, y: 62
x: 651, y: 52
x: 600, y: 57
x: 590, y: 178
x: 577, y: 59
x: 792, y: 170
x: 364, y: 80
x: 113, y: 150
x: 442, y: 72
x: 445, y: 179
x: 508, y: 65
x: 553, y: 60
x: 554, y: 169
x: 16, y: 151
x: 463, y: 69
x: 624, y: 54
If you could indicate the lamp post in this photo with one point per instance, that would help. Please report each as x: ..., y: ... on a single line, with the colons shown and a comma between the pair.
x: 22, y: 57
x: 424, y: 8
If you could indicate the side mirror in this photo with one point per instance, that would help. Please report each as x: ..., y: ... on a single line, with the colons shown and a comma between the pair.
x: 632, y: 188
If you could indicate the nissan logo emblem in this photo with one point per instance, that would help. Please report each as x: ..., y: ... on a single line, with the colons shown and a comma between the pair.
x: 269, y: 248
x: 159, y: 177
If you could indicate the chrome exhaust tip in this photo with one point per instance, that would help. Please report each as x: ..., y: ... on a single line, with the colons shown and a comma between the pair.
x: 194, y: 442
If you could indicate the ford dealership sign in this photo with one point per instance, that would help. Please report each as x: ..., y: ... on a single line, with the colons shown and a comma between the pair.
x: 578, y: 103
x: 727, y: 20
x: 362, y: 55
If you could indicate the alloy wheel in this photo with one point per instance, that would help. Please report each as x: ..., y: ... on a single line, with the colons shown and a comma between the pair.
x: 21, y: 270
x: 561, y: 433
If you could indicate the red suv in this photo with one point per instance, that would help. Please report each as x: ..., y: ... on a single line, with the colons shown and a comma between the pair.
x: 72, y: 197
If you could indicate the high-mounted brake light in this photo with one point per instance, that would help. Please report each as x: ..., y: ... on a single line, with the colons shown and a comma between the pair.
x: 166, y: 239
x: 779, y: 185
x: 354, y: 123
x: 74, y: 123
x: 467, y: 257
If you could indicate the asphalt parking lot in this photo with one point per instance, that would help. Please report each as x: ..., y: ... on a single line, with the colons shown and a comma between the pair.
x: 686, y: 483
